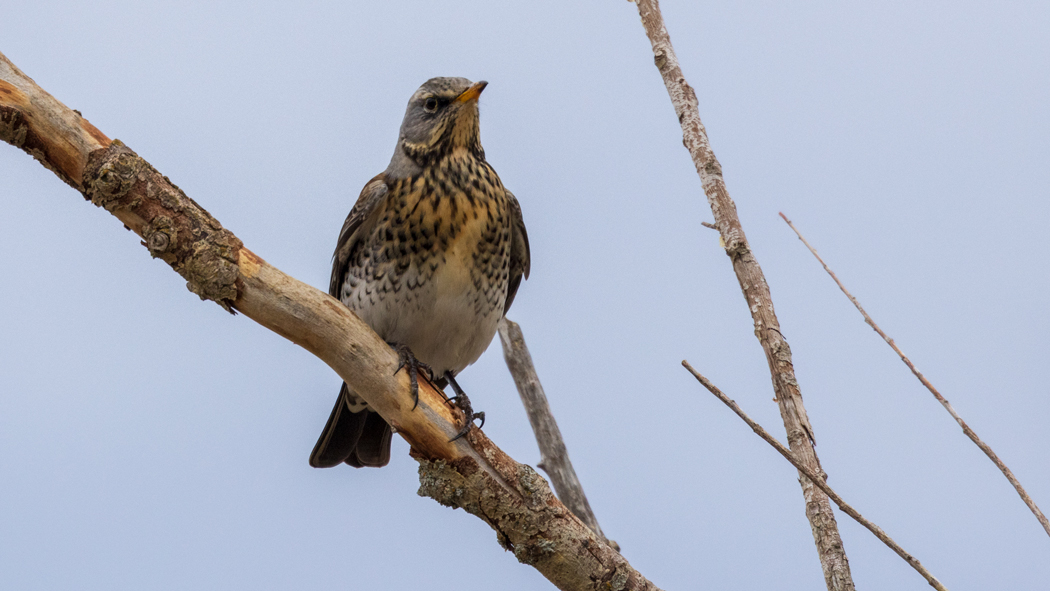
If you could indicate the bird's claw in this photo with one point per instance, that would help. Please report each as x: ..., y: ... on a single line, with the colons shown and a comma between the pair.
x: 463, y: 403
x: 405, y: 359
x: 460, y: 400
x: 470, y: 423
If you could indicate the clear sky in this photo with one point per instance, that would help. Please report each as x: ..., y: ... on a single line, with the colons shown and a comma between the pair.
x: 151, y: 441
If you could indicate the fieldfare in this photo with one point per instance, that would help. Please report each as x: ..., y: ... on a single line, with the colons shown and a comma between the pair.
x: 430, y: 257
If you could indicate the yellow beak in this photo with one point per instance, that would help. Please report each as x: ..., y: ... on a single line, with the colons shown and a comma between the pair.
x: 472, y: 93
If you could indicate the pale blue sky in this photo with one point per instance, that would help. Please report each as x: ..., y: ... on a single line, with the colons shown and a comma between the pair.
x: 152, y: 441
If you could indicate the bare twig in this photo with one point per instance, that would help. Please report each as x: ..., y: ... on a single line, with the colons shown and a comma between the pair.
x: 709, y: 225
x: 929, y: 386
x: 800, y: 436
x: 470, y: 473
x: 554, y: 456
x: 848, y: 510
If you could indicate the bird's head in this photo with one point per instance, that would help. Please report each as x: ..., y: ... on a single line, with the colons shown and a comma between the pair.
x: 442, y: 116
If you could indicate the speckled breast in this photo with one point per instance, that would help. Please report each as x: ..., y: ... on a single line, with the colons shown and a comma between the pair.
x: 433, y: 273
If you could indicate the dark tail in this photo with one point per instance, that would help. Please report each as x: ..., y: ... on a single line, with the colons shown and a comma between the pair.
x: 357, y: 438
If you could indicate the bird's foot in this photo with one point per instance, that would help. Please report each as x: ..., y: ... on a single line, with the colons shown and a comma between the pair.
x: 406, y: 359
x: 461, y: 401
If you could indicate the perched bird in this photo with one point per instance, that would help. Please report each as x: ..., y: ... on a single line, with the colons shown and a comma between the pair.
x: 430, y: 257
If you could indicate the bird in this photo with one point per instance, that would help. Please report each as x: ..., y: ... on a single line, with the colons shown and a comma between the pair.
x: 430, y: 257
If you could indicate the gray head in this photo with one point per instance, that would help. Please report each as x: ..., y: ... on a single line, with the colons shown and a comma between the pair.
x: 441, y: 117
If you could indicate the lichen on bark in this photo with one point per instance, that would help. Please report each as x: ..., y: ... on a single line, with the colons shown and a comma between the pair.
x: 13, y: 128
x: 174, y: 227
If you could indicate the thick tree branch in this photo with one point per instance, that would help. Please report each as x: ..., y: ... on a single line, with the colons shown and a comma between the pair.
x: 845, y: 507
x: 554, y: 456
x: 929, y: 386
x: 470, y: 473
x: 756, y: 292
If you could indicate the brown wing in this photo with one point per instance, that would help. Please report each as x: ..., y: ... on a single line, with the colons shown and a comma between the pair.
x: 371, y: 195
x: 520, y: 261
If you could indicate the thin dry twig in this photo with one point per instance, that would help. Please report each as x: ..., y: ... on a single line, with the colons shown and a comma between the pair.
x: 554, y: 456
x: 830, y: 549
x: 929, y: 386
x: 846, y: 508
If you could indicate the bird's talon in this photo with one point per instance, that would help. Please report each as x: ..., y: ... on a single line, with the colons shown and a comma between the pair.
x: 462, y: 432
x: 461, y: 401
x: 407, y: 359
x: 470, y: 423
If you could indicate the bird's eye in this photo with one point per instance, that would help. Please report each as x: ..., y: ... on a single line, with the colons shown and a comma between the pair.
x: 430, y: 105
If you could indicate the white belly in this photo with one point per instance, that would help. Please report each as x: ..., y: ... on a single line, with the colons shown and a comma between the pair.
x: 447, y: 322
